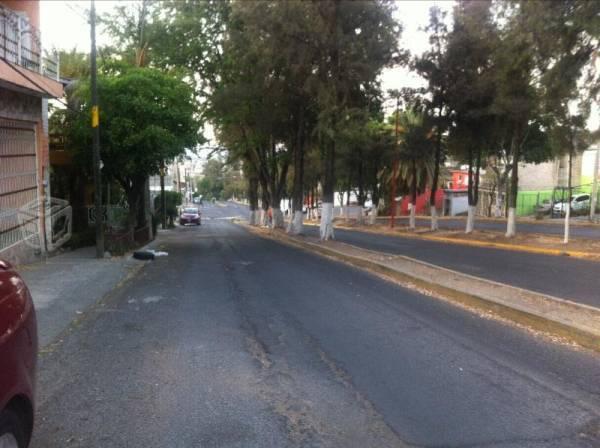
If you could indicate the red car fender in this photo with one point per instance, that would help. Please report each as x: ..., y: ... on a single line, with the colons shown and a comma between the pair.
x: 18, y: 339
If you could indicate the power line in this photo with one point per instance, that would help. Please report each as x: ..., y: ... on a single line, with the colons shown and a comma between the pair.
x: 79, y: 13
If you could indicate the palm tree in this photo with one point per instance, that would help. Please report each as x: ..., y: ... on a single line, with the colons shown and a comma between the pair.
x: 416, y: 148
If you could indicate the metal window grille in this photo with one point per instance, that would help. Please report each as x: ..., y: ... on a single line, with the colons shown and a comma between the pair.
x: 18, y: 182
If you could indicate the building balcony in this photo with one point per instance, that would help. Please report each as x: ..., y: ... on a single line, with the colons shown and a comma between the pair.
x: 20, y: 44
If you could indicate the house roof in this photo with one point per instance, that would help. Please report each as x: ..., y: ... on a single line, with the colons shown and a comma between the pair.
x: 18, y: 78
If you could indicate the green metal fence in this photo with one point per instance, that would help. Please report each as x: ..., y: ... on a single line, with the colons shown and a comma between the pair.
x: 529, y: 201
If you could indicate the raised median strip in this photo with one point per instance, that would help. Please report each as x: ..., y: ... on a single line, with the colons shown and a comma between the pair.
x: 552, y: 315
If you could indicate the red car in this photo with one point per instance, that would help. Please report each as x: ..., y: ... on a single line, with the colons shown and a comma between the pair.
x: 18, y: 357
x: 189, y: 215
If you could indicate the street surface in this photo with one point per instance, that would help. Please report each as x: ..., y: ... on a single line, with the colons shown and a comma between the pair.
x: 564, y: 277
x: 236, y: 341
x: 568, y: 278
x: 549, y: 228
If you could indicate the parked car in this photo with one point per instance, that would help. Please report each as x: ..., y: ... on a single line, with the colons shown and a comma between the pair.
x: 189, y: 215
x: 579, y: 202
x: 18, y: 358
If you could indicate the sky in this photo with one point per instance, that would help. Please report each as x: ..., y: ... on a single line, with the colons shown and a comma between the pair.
x: 64, y: 26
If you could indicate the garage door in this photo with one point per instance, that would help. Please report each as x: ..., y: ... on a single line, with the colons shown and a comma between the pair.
x: 18, y: 180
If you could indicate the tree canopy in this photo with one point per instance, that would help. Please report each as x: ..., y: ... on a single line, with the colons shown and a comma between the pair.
x: 146, y: 117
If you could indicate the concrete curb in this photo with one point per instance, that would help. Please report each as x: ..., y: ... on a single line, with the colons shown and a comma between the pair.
x: 475, y: 243
x: 551, y: 315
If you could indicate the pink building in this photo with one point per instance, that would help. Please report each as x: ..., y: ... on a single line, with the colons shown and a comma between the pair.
x: 27, y: 80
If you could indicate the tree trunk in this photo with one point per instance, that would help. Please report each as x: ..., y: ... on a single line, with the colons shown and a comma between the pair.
x: 374, y: 206
x: 276, y: 185
x: 253, y: 199
x: 132, y: 201
x: 134, y: 190
x: 473, y: 190
x: 264, y: 213
x: 594, y: 198
x: 511, y: 223
x: 326, y: 227
x: 569, y: 187
x: 413, y: 197
x: 499, y: 203
x: 470, y: 209
x: 436, y: 178
x: 374, y: 212
x: 277, y: 218
x: 297, y: 218
x: 361, y: 184
x: 434, y: 217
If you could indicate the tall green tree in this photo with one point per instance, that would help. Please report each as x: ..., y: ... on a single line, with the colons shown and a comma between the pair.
x: 146, y: 117
x: 356, y: 40
x: 433, y: 66
x: 416, y: 158
x: 471, y: 91
x: 545, y: 48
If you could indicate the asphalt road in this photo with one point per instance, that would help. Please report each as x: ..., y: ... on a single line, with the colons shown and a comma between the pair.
x: 236, y: 341
x: 549, y: 228
x: 568, y: 278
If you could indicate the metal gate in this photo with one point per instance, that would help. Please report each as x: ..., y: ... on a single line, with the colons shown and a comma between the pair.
x: 18, y: 181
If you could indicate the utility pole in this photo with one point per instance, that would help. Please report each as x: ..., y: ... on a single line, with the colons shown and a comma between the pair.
x: 394, y: 171
x: 96, y: 140
x: 595, y: 186
x: 163, y: 197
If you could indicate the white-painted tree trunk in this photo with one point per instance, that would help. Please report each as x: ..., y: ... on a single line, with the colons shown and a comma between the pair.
x: 434, y: 217
x: 296, y: 225
x: 412, y: 223
x: 264, y: 218
x: 278, y: 221
x: 567, y: 222
x: 498, y: 206
x: 326, y: 227
x: 511, y: 223
x: 361, y: 214
x: 470, y: 219
x: 373, y: 216
x: 253, y: 217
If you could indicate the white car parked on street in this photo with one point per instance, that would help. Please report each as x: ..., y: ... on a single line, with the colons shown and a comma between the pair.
x: 578, y: 202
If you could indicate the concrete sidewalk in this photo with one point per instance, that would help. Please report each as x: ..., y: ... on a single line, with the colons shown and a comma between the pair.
x: 551, y: 315
x: 65, y: 285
